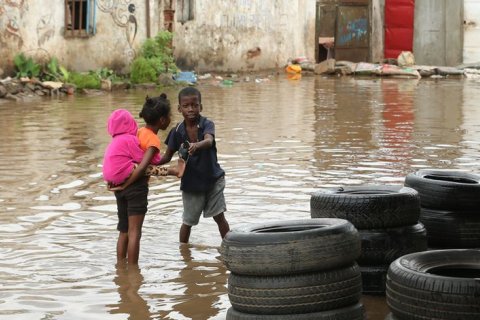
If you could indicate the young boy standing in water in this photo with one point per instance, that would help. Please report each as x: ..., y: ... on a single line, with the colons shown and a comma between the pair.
x: 203, y: 181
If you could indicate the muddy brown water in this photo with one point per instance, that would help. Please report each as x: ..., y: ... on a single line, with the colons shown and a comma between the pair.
x: 278, y: 141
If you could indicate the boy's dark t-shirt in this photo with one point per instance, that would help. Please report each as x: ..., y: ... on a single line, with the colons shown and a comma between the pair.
x: 202, y: 168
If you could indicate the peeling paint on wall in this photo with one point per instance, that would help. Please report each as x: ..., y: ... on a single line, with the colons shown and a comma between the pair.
x: 123, y: 15
x: 231, y: 30
x: 471, y: 46
x: 11, y: 13
x: 223, y: 35
x: 45, y: 29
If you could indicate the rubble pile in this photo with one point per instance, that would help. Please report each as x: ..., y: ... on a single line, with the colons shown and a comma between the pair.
x: 18, y: 89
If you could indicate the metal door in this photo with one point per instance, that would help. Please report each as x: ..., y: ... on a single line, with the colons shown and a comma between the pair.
x: 352, y: 32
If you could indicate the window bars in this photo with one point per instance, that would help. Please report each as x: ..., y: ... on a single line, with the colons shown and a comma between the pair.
x: 80, y: 18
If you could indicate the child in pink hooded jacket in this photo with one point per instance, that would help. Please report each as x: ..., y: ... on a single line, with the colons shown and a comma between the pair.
x: 124, y: 152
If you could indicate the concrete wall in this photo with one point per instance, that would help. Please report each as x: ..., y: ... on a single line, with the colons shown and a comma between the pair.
x: 471, y: 48
x: 223, y: 35
x: 242, y: 35
x: 377, y: 40
x: 438, y: 34
x: 36, y: 27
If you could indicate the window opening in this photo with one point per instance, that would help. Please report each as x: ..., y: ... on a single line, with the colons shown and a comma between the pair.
x: 80, y: 18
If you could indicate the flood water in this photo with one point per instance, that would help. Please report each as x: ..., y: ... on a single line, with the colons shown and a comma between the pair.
x: 278, y: 141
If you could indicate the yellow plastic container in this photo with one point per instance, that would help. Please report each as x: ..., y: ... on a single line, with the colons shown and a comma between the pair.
x: 293, y: 68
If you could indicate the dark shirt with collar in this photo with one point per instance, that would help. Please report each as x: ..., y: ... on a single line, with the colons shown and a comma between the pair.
x: 202, y: 169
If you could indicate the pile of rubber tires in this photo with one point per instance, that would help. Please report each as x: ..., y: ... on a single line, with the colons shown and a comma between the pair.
x: 437, y: 284
x: 386, y: 218
x: 298, y: 269
x: 450, y: 207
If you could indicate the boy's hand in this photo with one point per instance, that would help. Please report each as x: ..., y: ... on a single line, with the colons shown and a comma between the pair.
x: 192, y: 149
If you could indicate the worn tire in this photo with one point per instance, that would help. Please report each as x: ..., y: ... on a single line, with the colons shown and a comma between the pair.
x: 452, y: 229
x: 353, y: 312
x: 446, y: 189
x: 383, y: 246
x: 290, y: 247
x: 292, y: 294
x: 368, y: 207
x: 440, y: 284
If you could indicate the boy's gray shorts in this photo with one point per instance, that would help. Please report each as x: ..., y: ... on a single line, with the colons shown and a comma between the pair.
x: 211, y: 203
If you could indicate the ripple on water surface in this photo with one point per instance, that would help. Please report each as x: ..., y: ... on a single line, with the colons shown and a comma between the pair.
x: 278, y: 142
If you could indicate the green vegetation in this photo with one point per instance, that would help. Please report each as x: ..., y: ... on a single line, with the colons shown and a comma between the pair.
x: 85, y: 80
x: 155, y: 58
x: 26, y: 67
x: 143, y: 71
x: 53, y: 71
x: 105, y: 74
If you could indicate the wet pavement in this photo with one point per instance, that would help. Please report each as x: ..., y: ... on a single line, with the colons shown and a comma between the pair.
x: 278, y: 141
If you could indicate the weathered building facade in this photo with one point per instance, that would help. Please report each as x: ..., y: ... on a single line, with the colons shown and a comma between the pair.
x: 208, y: 35
x: 471, y: 48
x: 82, y: 34
x: 228, y: 35
x: 245, y: 34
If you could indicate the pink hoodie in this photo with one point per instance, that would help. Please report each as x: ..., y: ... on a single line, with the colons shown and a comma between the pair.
x: 124, y: 150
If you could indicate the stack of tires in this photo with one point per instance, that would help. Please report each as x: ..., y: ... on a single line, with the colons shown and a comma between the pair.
x: 298, y: 269
x: 387, y: 220
x: 450, y: 202
x: 437, y: 284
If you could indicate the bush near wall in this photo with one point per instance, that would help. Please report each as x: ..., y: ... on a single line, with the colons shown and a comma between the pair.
x: 155, y: 58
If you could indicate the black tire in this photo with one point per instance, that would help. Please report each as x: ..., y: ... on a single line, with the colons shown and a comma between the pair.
x: 374, y: 279
x: 303, y: 293
x: 446, y: 189
x: 383, y: 246
x: 452, y: 229
x: 354, y: 312
x: 440, y: 284
x: 368, y: 207
x: 290, y: 247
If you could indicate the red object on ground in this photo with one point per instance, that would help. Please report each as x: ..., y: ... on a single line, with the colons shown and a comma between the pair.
x: 399, y: 19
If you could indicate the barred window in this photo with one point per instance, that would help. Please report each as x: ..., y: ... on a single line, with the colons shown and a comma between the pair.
x: 80, y: 16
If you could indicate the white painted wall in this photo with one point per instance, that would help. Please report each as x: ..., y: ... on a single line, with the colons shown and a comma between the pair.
x: 471, y: 47
x: 223, y: 33
x: 377, y: 40
x: 36, y: 27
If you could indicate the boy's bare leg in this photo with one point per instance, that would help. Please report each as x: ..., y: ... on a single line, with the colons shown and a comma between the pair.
x: 122, y: 244
x: 135, y: 223
x: 185, y: 233
x: 222, y: 224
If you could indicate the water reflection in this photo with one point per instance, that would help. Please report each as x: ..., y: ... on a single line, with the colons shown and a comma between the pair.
x: 203, y: 282
x: 129, y: 280
x: 278, y: 141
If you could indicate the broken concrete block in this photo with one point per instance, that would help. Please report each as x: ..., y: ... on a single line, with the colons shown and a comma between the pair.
x: 325, y: 67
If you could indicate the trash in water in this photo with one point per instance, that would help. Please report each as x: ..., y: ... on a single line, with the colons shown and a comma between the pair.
x: 226, y: 83
x: 185, y: 76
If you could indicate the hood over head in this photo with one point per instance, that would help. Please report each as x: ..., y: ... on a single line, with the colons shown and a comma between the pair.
x: 121, y: 121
